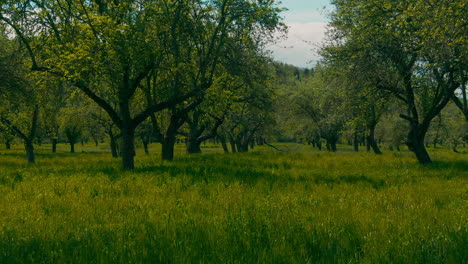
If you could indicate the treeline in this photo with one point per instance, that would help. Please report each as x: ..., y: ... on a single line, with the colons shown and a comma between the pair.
x: 391, y: 73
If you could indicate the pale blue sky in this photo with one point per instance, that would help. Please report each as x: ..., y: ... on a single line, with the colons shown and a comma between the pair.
x: 302, y: 6
x: 307, y: 21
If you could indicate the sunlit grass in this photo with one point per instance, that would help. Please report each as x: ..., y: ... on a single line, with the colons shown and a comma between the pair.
x: 297, y: 206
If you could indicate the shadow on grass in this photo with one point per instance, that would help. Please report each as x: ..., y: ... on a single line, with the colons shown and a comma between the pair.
x: 350, y: 179
x: 454, y: 166
x: 208, y: 173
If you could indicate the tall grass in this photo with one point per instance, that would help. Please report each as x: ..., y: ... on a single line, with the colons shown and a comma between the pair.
x: 299, y: 206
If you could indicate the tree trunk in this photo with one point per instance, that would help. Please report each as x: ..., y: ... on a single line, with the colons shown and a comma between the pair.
x: 319, y: 144
x: 333, y: 146
x: 356, y: 143
x: 233, y: 145
x: 8, y: 144
x: 252, y: 144
x: 30, y: 152
x: 193, y: 145
x: 415, y: 143
x: 168, y: 143
x: 54, y: 145
x: 113, y: 145
x: 224, y: 145
x: 371, y: 141
x: 454, y: 147
x: 128, y: 147
x: 72, y: 147
x: 145, y: 146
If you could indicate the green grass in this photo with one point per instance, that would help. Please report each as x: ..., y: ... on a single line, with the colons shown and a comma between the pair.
x: 300, y: 206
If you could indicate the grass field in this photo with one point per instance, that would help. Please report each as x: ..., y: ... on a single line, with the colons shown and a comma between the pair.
x: 299, y: 206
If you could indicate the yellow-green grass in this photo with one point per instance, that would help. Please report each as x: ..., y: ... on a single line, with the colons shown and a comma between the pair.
x: 298, y: 206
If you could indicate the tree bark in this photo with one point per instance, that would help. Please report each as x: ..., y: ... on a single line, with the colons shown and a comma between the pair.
x: 193, y: 145
x: 333, y: 146
x: 356, y: 143
x: 224, y: 145
x: 128, y: 147
x: 233, y: 145
x: 168, y: 143
x: 454, y: 147
x: 54, y: 145
x: 30, y: 151
x: 8, y: 144
x: 319, y: 144
x: 415, y: 143
x: 145, y: 146
x: 72, y: 147
x: 252, y: 144
x: 371, y: 141
x: 113, y: 145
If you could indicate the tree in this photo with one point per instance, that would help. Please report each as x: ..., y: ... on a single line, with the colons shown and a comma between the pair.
x: 321, y: 100
x: 414, y: 49
x: 19, y: 107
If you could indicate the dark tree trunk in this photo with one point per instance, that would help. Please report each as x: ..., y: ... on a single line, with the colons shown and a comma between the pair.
x: 113, y: 145
x: 260, y: 141
x: 8, y: 144
x: 252, y: 144
x: 224, y: 145
x: 371, y: 141
x: 233, y: 145
x: 72, y: 147
x: 319, y: 144
x: 54, y: 145
x: 128, y: 147
x: 415, y: 143
x: 193, y: 145
x: 145, y: 146
x: 239, y: 146
x: 454, y: 147
x: 356, y: 143
x: 242, y: 147
x: 168, y: 143
x: 30, y: 152
x: 333, y: 146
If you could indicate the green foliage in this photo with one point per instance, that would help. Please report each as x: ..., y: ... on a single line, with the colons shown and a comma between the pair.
x: 259, y: 207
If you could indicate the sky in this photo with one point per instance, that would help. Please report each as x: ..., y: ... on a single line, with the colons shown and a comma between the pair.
x: 307, y: 22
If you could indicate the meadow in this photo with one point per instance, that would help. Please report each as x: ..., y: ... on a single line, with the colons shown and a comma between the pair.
x: 265, y: 206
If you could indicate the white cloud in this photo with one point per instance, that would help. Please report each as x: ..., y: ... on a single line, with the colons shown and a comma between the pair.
x: 300, y: 48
